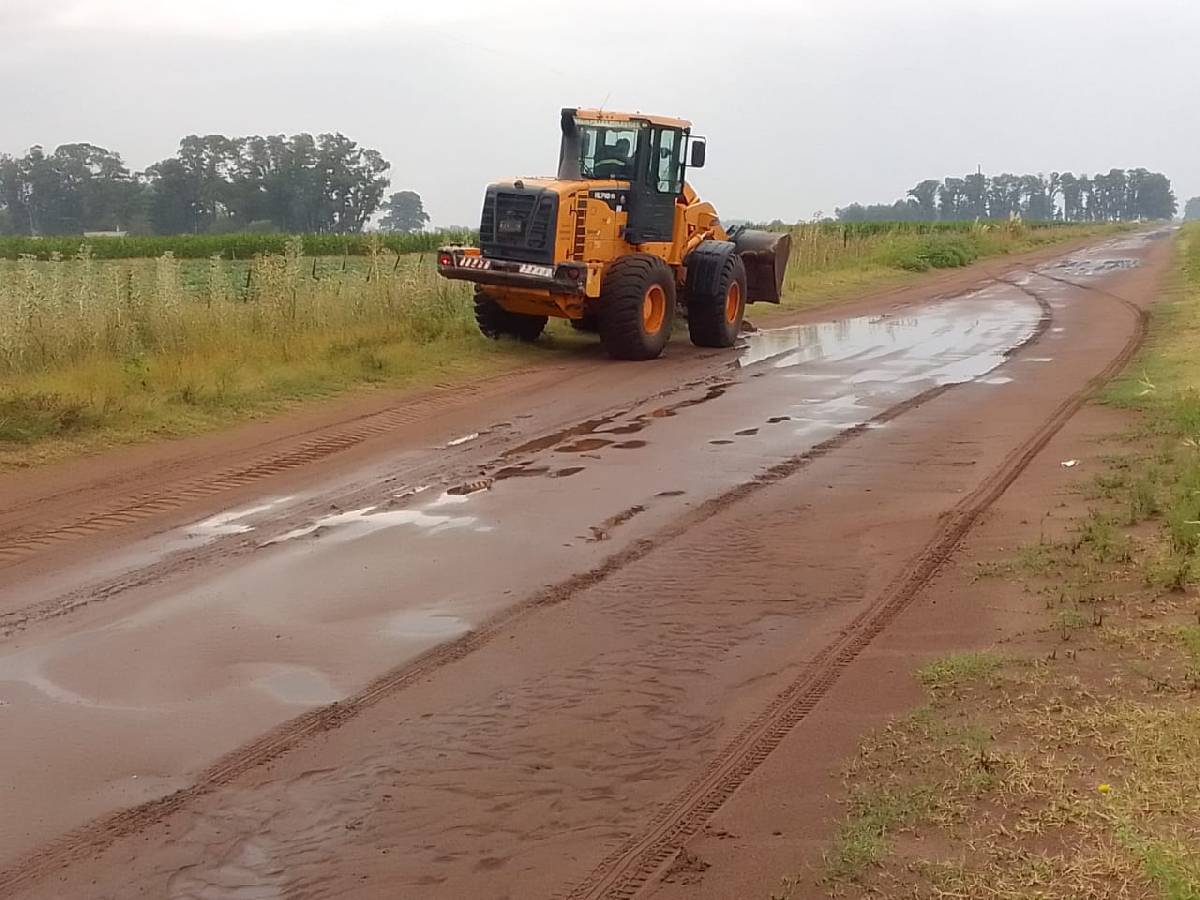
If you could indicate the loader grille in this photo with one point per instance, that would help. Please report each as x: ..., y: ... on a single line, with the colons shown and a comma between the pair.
x: 580, y: 226
x: 519, y: 224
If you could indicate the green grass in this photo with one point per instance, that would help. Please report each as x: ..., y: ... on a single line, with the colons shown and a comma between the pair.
x: 874, y: 815
x: 959, y: 669
x: 1164, y: 385
x: 1171, y: 868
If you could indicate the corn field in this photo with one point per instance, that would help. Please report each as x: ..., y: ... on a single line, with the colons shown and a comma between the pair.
x: 62, y: 311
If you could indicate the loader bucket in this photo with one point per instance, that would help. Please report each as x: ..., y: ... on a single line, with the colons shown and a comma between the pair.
x: 765, y: 256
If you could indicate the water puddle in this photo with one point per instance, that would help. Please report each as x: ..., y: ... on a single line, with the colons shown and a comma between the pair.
x: 298, y: 685
x: 29, y: 667
x: 583, y: 438
x: 586, y: 445
x: 631, y: 428
x: 357, y: 523
x: 950, y: 343
x: 232, y: 521
x: 525, y: 470
x: 553, y: 440
x: 423, y: 623
x: 1092, y: 268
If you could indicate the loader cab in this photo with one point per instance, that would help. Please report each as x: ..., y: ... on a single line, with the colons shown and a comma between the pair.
x: 649, y: 153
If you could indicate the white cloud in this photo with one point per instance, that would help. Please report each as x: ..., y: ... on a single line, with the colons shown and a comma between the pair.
x: 239, y: 19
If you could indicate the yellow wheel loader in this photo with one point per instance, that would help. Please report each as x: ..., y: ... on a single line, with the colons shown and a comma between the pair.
x: 615, y: 242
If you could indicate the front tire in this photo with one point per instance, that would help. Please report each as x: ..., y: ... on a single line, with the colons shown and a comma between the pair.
x: 716, y: 294
x: 637, y: 307
x: 495, y: 321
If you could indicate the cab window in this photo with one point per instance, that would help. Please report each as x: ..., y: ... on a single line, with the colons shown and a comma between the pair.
x: 608, y: 151
x: 665, y: 170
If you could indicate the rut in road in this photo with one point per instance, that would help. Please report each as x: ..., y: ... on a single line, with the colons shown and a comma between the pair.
x: 22, y: 543
x: 625, y: 871
x: 177, y: 495
x: 96, y: 836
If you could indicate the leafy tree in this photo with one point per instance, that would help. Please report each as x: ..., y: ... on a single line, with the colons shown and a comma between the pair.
x: 951, y: 197
x: 1191, y: 212
x: 404, y: 212
x: 976, y: 190
x: 175, y: 206
x: 297, y: 184
x: 1155, y: 198
x: 78, y: 187
x: 1072, y: 194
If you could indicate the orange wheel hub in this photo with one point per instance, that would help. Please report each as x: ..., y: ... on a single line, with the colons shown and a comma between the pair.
x: 654, y: 309
x: 733, y: 301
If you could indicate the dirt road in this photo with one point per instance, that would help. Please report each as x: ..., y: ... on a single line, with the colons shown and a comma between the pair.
x: 523, y: 640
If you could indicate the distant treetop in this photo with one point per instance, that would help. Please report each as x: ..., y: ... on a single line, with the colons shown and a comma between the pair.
x: 326, y: 184
x: 404, y: 212
x: 1119, y: 196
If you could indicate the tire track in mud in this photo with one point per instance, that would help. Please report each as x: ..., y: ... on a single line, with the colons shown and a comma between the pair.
x: 18, y: 620
x: 23, y: 543
x: 96, y: 836
x: 101, y: 833
x: 627, y: 869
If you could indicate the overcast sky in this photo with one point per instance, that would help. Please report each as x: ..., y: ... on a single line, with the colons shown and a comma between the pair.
x: 807, y: 104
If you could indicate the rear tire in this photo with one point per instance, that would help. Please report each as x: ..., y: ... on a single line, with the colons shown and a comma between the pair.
x: 495, y: 321
x: 637, y: 307
x: 715, y: 294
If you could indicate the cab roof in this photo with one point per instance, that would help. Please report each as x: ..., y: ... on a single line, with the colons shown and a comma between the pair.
x: 607, y: 115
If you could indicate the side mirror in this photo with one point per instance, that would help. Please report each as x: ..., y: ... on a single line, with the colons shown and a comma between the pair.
x: 697, y: 160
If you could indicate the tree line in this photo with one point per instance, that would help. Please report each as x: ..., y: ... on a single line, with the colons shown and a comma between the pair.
x: 1119, y: 196
x: 215, y: 184
x: 1191, y: 212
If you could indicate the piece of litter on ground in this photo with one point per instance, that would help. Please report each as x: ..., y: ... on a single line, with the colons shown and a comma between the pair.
x: 1070, y: 463
x: 463, y: 439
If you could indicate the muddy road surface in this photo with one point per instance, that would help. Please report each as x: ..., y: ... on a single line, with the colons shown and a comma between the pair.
x: 518, y: 640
